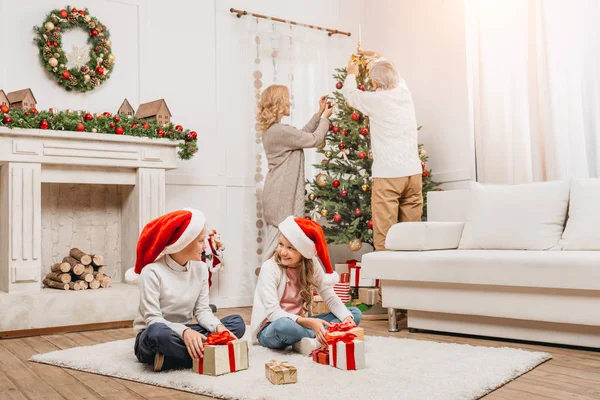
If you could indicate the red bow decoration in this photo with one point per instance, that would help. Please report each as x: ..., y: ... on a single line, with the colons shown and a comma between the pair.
x: 348, y: 339
x: 341, y: 326
x: 351, y: 262
x: 218, y: 339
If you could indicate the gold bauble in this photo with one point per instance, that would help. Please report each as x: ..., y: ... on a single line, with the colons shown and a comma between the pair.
x: 321, y: 180
x: 68, y: 111
x: 312, y: 197
x: 365, y: 187
x: 49, y: 26
x: 328, y: 154
x: 53, y: 62
x: 324, y: 212
x: 355, y: 244
x: 111, y: 56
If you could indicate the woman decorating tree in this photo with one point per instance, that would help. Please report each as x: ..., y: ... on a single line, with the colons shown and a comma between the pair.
x: 173, y: 289
x: 285, y: 289
x: 284, y: 147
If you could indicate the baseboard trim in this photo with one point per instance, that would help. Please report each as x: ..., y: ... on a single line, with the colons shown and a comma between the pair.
x: 65, y: 329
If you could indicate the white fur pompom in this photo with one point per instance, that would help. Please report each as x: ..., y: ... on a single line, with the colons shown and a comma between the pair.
x: 131, y: 277
x: 331, y: 279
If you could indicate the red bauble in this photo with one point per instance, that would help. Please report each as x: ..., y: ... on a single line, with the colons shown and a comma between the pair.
x: 425, y: 173
x: 361, y: 87
x: 88, y: 117
x: 179, y: 128
x: 188, y: 137
x: 95, y: 49
x: 194, y: 135
x: 4, y: 109
x: 362, y: 155
x: 73, y: 10
x: 27, y: 113
x: 112, y: 125
x: 7, y: 120
x: 336, y: 183
x: 63, y: 14
x: 343, y: 193
x: 355, y: 117
x: 48, y: 44
x: 358, y: 212
x: 107, y: 114
x: 161, y: 133
x: 330, y: 127
x: 57, y: 29
x: 342, y: 146
x: 43, y: 124
x: 146, y: 126
x: 337, y: 218
x: 66, y: 75
x: 100, y: 70
x: 133, y: 126
x: 344, y: 132
x: 33, y: 110
x: 169, y: 133
x: 336, y: 129
x: 81, y: 12
x: 339, y: 85
x: 116, y: 118
x: 364, y: 131
x: 93, y: 33
x: 324, y: 161
x: 422, y: 165
x: 55, y: 44
x: 370, y: 224
x: 80, y: 128
x: 119, y: 130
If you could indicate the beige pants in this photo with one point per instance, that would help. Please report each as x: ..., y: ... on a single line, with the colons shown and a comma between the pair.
x: 394, y: 200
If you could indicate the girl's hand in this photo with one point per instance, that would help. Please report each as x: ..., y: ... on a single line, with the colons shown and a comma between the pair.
x: 221, y: 328
x: 349, y: 319
x: 328, y: 111
x: 352, y: 69
x: 317, y: 327
x: 193, y: 342
x: 322, y: 104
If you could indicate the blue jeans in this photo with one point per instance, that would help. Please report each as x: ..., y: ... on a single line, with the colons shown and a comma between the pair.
x: 158, y: 337
x: 285, y: 332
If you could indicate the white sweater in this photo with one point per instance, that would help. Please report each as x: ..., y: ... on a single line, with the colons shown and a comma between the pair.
x: 172, y: 294
x: 269, y: 290
x: 393, y: 128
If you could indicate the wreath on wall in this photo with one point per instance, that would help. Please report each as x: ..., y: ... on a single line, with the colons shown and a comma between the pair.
x: 83, y: 68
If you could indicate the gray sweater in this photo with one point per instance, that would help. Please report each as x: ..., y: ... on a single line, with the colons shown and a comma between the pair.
x: 284, y: 186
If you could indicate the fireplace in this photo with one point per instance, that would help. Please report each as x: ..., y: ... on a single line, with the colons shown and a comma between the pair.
x: 116, y: 183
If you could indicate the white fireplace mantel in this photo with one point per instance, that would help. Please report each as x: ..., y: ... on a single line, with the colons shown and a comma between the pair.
x: 30, y: 157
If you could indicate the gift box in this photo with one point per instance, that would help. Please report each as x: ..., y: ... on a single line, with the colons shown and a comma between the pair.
x: 357, y: 281
x: 346, y: 352
x: 368, y: 296
x: 222, y: 354
x: 341, y: 328
x: 318, y: 305
x: 281, y: 373
x: 342, y: 288
x: 321, y: 356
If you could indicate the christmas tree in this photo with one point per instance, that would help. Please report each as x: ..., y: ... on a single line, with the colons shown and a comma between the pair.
x: 342, y: 191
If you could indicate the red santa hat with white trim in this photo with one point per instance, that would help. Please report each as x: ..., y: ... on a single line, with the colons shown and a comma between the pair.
x: 168, y: 234
x: 308, y: 238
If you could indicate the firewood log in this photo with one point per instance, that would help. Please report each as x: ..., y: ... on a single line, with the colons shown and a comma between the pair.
x: 56, y: 285
x: 76, y: 266
x: 61, y: 267
x: 80, y: 256
x: 106, y: 282
x: 57, y: 277
x: 94, y: 284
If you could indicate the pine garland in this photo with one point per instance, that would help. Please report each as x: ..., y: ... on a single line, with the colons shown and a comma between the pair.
x: 52, y: 55
x: 100, y: 123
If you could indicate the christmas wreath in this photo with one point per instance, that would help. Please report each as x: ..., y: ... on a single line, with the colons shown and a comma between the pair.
x: 85, y: 68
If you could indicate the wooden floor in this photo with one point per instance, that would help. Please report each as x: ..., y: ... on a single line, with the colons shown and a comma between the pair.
x: 571, y: 374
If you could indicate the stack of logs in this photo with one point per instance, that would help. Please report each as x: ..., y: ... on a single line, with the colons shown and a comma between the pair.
x: 78, y: 271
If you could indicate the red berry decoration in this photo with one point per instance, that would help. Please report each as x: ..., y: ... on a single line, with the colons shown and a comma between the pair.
x: 342, y: 146
x: 55, y: 44
x: 194, y: 135
x: 33, y: 110
x: 146, y: 126
x: 337, y: 218
x: 119, y: 130
x: 26, y: 113
x: 364, y: 131
x: 343, y: 193
x: 161, y: 133
x: 169, y: 133
x: 344, y: 132
x: 370, y: 224
x: 43, y: 124
x: 324, y: 161
x: 66, y: 75
x: 88, y: 117
x: 48, y: 44
x: 63, y: 14
x: 179, y: 128
x: 358, y: 212
x: 336, y: 183
x: 81, y: 12
x: 330, y: 127
x: 100, y: 71
x: 80, y: 128
x: 93, y: 33
x: 361, y: 87
x: 336, y: 129
x: 4, y: 109
x: 425, y: 173
x: 339, y: 85
x: 116, y: 118
x: 73, y: 10
x: 355, y: 117
x: 112, y: 125
x: 7, y: 120
x: 362, y: 155
x: 133, y: 126
x: 95, y: 49
x: 107, y: 114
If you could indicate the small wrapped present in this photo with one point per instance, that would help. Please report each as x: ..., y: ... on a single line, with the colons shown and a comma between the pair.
x: 342, y: 288
x: 318, y: 305
x: 321, y: 356
x: 223, y: 354
x: 346, y: 352
x: 281, y: 373
x: 368, y: 296
x: 341, y: 328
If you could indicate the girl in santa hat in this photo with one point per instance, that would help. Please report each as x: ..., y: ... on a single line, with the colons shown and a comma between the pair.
x: 285, y: 289
x: 173, y: 289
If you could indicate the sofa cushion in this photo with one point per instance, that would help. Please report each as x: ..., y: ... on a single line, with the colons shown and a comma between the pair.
x: 516, y: 217
x: 544, y: 269
x: 424, y: 236
x: 583, y: 225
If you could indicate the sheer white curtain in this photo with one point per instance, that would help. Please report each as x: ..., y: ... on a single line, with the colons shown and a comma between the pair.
x: 534, y: 78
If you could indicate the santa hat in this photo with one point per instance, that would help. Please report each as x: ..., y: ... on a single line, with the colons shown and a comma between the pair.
x: 168, y: 234
x: 308, y: 238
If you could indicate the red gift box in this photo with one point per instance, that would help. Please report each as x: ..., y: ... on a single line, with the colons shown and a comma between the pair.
x: 321, y: 356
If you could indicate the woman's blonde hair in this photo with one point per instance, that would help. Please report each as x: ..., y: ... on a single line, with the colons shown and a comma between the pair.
x: 385, y: 74
x: 271, y: 107
x: 305, y: 278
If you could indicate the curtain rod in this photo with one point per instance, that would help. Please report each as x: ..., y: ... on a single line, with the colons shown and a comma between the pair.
x: 330, y: 32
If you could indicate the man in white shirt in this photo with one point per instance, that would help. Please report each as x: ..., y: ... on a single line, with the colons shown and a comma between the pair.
x: 396, y: 172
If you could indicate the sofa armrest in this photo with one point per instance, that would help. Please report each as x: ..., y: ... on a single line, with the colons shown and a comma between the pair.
x: 424, y: 236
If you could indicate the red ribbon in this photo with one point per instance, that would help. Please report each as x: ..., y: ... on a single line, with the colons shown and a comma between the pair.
x: 341, y: 326
x: 344, y: 278
x: 348, y: 340
x: 220, y: 339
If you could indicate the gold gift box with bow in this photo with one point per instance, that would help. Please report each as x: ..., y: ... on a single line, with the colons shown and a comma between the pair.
x: 281, y: 373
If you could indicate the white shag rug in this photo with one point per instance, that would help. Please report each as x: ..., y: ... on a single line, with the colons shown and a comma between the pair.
x: 396, y: 368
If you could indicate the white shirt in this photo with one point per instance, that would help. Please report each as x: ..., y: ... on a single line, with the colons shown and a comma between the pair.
x: 269, y: 290
x: 393, y: 128
x: 172, y: 294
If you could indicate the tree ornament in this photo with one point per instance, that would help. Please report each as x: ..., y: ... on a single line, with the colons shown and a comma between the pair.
x: 362, y: 155
x: 370, y: 154
x: 358, y: 212
x: 100, y: 70
x: 342, y: 146
x: 106, y: 63
x: 73, y: 17
x: 330, y: 127
x: 95, y: 82
x: 133, y: 126
x: 188, y: 137
x: 425, y: 173
x: 321, y: 180
x: 73, y: 81
x: 161, y: 132
x: 146, y: 126
x: 88, y: 117
x: 339, y: 85
x: 94, y: 130
x: 112, y: 125
x: 343, y: 193
x: 7, y: 120
x: 47, y: 52
x: 355, y: 244
x: 119, y: 130
x: 336, y: 129
x: 49, y: 26
x: 364, y: 131
x: 66, y: 75
x: 53, y: 62
x: 337, y: 218
x: 116, y: 118
x: 63, y: 14
x: 336, y: 183
x: 80, y: 127
x: 4, y: 108
x: 344, y: 132
x: 370, y: 224
x: 365, y: 187
x: 355, y: 116
x: 179, y: 128
x: 328, y: 153
x: 43, y: 124
x: 324, y: 212
x: 312, y: 197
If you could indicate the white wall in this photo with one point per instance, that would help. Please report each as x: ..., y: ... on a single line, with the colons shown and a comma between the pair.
x: 426, y: 41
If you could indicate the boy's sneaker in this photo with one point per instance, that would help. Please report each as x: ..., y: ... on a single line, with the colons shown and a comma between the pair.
x: 159, y: 360
x: 306, y: 346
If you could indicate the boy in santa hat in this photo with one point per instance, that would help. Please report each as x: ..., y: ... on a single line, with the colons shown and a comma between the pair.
x: 173, y: 289
x: 285, y: 289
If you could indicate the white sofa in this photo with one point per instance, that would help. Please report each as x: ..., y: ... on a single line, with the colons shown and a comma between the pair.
x: 508, y: 261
